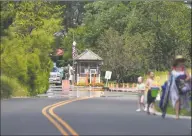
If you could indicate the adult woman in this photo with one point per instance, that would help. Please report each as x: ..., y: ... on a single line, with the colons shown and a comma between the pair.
x: 172, y: 91
x: 141, y: 90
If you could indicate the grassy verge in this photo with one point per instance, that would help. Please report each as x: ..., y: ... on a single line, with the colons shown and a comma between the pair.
x: 11, y: 87
x: 171, y: 110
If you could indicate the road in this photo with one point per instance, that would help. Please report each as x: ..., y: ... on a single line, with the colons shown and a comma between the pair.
x: 95, y: 116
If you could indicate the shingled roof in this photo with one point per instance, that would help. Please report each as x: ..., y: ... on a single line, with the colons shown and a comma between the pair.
x: 88, y: 55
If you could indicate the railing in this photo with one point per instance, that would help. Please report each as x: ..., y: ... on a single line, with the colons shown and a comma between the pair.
x: 123, y: 88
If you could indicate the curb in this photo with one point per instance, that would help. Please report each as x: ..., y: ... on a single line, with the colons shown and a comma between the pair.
x: 25, y: 97
x: 122, y: 96
x: 173, y: 116
x: 17, y: 97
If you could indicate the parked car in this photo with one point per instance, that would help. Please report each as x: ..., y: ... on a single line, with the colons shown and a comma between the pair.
x: 55, y: 76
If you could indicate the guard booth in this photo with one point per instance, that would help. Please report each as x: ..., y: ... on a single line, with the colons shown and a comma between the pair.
x: 87, y: 65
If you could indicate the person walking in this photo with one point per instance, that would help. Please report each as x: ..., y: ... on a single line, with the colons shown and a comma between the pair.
x: 176, y: 87
x: 141, y: 90
x: 150, y: 84
x: 70, y: 72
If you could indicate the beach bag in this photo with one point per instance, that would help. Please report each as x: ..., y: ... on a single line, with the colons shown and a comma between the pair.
x: 183, y: 87
x: 158, y: 97
x: 154, y: 91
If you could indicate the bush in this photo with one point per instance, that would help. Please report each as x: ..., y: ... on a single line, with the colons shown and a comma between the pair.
x: 11, y: 87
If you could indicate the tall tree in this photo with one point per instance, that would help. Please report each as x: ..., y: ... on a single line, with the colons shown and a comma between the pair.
x: 29, y: 42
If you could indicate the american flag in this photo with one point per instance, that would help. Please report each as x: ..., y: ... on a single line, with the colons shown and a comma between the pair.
x: 74, y: 52
x: 59, y: 52
x: 74, y: 49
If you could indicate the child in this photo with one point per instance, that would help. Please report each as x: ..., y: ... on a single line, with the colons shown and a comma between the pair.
x: 141, y: 90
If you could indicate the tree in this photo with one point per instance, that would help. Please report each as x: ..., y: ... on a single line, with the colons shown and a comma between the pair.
x: 110, y: 48
x: 30, y: 38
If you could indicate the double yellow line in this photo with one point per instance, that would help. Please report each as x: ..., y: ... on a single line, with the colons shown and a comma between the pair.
x: 53, y: 118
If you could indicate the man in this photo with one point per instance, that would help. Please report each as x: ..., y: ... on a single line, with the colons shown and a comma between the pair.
x: 70, y: 71
x: 66, y: 75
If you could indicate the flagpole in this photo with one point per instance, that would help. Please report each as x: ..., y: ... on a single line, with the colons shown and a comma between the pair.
x: 73, y: 55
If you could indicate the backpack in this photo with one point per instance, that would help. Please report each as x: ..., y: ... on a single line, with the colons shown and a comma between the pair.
x: 182, y: 85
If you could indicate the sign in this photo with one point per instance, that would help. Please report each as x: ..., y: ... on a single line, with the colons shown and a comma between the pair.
x: 108, y: 74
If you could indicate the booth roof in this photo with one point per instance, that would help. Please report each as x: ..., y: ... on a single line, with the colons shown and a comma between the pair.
x: 88, y: 55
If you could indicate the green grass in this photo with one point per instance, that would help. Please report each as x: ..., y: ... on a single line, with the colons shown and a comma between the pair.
x: 163, y: 78
x: 171, y: 110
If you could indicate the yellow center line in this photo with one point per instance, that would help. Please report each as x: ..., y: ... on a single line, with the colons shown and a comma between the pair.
x: 57, y: 125
x: 51, y: 119
x: 65, y: 124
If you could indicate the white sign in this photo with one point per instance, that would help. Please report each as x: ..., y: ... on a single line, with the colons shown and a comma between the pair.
x: 108, y: 74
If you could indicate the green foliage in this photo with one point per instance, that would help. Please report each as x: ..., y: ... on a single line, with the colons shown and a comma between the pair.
x: 152, y: 33
x: 132, y: 37
x: 108, y: 48
x: 26, y: 47
x: 11, y: 87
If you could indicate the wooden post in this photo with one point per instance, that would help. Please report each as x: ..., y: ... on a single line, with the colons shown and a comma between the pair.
x: 90, y: 77
x: 117, y: 87
x: 77, y: 78
x: 109, y: 85
x: 128, y: 85
x: 94, y: 79
x: 86, y: 80
x: 133, y: 85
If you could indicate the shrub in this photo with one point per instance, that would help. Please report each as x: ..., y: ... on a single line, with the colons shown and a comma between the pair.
x: 11, y: 87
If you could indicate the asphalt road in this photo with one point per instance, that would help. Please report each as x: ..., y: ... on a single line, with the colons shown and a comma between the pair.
x: 96, y: 116
x: 24, y: 117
